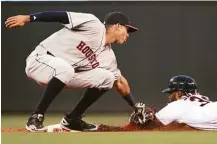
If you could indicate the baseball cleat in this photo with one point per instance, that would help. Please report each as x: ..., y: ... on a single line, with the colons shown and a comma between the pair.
x: 35, y: 123
x: 77, y: 124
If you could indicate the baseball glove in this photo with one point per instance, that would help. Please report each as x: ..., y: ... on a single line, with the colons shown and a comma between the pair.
x: 141, y: 115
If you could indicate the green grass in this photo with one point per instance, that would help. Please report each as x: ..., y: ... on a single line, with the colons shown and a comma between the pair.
x: 15, y: 121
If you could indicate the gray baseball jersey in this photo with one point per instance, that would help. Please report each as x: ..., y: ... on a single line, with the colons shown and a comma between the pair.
x: 80, y: 44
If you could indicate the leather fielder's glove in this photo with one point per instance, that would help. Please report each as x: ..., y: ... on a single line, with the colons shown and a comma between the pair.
x: 141, y: 115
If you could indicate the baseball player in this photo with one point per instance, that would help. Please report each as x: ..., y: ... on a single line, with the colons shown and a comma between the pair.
x: 186, y: 106
x: 77, y: 56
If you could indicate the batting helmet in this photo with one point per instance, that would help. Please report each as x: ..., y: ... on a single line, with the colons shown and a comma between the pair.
x: 181, y: 83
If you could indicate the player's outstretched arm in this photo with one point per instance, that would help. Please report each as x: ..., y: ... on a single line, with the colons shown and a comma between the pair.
x: 156, y: 124
x: 123, y: 88
x: 48, y: 16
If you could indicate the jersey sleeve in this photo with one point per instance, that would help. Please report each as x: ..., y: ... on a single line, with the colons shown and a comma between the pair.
x: 169, y: 113
x: 117, y: 73
x: 81, y: 19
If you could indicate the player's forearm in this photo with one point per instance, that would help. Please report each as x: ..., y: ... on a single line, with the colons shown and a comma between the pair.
x: 123, y: 89
x: 122, y: 86
x: 49, y: 16
x: 156, y: 124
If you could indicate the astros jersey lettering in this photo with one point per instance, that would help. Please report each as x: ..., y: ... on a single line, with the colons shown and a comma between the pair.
x: 79, y: 42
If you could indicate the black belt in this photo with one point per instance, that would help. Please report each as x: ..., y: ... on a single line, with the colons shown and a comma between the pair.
x: 50, y: 53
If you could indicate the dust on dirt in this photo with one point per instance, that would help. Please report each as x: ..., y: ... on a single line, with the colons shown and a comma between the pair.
x: 13, y: 130
x: 133, y: 128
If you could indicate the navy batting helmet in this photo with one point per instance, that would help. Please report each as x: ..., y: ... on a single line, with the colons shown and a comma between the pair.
x: 181, y: 83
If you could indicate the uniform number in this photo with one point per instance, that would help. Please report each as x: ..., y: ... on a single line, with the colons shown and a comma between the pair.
x: 203, y: 100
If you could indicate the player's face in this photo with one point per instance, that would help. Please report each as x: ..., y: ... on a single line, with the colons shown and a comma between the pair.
x: 175, y: 96
x: 122, y: 34
x: 172, y: 97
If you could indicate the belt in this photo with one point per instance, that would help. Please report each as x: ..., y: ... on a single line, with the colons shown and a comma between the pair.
x: 50, y: 53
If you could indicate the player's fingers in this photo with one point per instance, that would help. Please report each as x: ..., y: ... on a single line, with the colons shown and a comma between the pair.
x: 13, y: 25
x: 9, y: 21
x: 8, y: 24
x: 13, y: 17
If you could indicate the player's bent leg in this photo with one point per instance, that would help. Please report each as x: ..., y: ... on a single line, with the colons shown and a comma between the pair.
x: 52, y: 71
x: 107, y: 80
x: 43, y: 67
x: 97, y: 82
x: 73, y: 120
x: 96, y: 78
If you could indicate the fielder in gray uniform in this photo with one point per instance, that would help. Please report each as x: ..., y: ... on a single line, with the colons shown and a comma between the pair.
x: 78, y: 56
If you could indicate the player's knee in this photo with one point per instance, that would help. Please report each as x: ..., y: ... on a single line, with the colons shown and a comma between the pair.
x: 27, y: 72
x: 65, y: 73
x: 107, y: 81
x: 69, y: 73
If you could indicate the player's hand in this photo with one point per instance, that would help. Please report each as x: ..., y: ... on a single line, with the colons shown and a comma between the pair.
x: 141, y: 115
x: 17, y: 21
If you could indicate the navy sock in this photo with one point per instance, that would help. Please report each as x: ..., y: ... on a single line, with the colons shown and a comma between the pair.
x: 54, y: 87
x: 90, y: 96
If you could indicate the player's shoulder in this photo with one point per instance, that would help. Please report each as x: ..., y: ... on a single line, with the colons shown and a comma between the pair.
x: 171, y: 109
x: 176, y: 103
